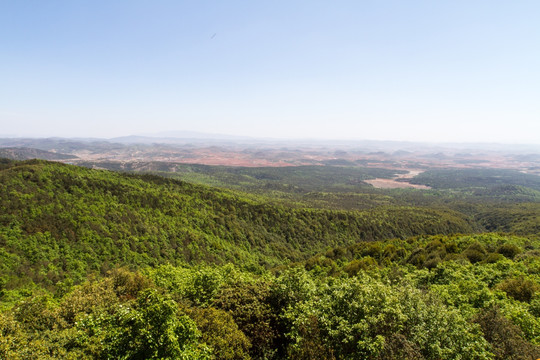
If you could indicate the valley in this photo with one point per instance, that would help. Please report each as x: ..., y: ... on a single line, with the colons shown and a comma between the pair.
x: 273, y: 153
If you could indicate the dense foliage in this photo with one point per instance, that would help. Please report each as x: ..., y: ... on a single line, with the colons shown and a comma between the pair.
x: 61, y: 222
x: 104, y: 265
x: 476, y: 178
x: 371, y: 300
x: 293, y: 179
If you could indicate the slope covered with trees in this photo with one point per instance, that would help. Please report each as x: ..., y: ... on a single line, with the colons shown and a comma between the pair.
x: 99, y: 265
x: 475, y: 178
x: 61, y: 221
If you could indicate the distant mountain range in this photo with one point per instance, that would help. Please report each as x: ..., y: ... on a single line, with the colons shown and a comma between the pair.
x: 22, y: 153
x: 198, y: 138
x: 218, y: 149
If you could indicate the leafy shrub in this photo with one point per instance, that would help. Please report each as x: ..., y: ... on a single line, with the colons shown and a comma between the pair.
x: 509, y: 250
x: 362, y: 318
x: 311, y: 345
x: 128, y: 284
x: 473, y: 255
x: 519, y: 288
x: 36, y: 313
x: 507, y: 340
x: 358, y: 265
x: 493, y: 258
x: 221, y: 334
x: 15, y: 344
x: 93, y: 297
x: 150, y: 328
x: 249, y: 305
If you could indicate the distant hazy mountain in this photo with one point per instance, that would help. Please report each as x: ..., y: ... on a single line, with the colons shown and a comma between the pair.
x: 175, y: 137
x: 61, y: 145
x: 68, y: 145
x: 198, y: 135
x: 21, y: 153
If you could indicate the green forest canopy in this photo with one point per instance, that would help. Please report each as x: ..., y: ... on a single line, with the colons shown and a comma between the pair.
x: 220, y: 274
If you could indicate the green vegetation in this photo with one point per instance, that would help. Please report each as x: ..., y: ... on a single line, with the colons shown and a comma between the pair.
x: 329, y: 307
x: 343, y: 187
x: 290, y: 179
x: 476, y: 178
x: 62, y: 222
x: 513, y: 218
x: 105, y: 265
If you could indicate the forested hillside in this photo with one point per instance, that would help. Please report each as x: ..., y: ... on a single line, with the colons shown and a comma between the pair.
x: 476, y: 178
x: 63, y: 221
x: 289, y: 179
x: 97, y: 264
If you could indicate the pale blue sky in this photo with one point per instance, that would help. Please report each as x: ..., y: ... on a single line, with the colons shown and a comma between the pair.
x: 392, y: 70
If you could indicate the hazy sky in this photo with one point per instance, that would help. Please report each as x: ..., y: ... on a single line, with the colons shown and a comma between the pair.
x: 395, y: 70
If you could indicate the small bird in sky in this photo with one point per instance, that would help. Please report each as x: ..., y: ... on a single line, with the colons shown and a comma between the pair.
x: 213, y: 36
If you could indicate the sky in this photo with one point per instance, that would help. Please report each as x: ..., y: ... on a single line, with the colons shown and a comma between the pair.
x: 436, y: 71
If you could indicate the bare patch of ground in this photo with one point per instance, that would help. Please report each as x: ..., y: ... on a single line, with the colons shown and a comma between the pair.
x: 395, y: 184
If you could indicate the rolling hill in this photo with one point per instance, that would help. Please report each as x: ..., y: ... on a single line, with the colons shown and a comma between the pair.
x: 63, y: 221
